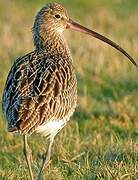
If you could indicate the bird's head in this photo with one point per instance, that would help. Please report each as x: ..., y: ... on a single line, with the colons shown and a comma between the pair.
x: 53, y: 19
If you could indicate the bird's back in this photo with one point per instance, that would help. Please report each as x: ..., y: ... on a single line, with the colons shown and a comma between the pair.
x: 40, y: 88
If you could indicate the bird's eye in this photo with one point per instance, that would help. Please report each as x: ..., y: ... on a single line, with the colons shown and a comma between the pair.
x: 57, y: 16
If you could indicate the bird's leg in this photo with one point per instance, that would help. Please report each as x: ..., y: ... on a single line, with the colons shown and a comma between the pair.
x: 46, y: 158
x: 28, y: 156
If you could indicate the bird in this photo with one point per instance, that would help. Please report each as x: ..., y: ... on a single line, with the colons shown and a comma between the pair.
x: 40, y: 94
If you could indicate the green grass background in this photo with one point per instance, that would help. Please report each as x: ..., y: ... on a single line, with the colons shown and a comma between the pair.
x: 101, y: 140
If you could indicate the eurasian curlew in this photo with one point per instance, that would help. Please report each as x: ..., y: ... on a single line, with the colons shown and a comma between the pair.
x: 40, y: 94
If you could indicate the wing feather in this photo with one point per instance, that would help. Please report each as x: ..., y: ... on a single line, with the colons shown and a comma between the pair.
x: 37, y: 90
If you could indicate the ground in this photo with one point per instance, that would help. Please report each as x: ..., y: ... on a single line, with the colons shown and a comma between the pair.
x: 101, y: 140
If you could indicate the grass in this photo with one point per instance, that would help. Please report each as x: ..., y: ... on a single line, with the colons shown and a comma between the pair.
x: 101, y: 140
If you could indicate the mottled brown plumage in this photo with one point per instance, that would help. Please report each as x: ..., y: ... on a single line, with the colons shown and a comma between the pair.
x: 40, y: 94
x: 41, y: 85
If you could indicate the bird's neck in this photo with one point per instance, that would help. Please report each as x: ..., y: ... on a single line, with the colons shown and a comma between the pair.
x: 53, y: 43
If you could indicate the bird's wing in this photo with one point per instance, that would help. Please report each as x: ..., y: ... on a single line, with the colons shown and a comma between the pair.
x: 36, y: 90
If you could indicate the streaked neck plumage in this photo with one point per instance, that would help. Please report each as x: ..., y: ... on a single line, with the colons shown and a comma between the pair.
x: 51, y: 41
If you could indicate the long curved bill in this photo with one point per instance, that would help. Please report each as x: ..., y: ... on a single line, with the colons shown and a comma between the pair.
x: 75, y: 26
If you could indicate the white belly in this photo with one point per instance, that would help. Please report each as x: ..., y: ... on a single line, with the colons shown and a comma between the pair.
x: 50, y: 128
